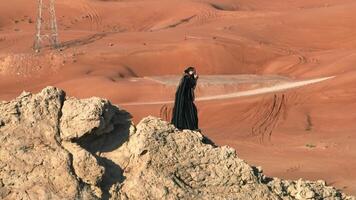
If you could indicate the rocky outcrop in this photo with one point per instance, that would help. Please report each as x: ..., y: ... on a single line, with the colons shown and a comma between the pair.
x: 56, y: 147
x: 169, y: 164
x: 39, y: 158
x: 33, y: 164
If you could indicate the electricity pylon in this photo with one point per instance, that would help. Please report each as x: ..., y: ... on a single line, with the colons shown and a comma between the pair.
x: 46, y: 25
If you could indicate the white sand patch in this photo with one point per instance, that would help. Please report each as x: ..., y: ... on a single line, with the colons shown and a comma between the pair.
x: 263, y: 90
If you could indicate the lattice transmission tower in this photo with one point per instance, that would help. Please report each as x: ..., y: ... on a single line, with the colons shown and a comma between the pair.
x: 46, y: 25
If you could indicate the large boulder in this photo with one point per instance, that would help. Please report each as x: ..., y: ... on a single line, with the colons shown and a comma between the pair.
x: 40, y: 161
x: 58, y: 147
x: 87, y: 116
x: 33, y: 164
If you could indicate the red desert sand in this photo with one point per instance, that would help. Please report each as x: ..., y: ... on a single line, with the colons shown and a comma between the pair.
x: 277, y: 77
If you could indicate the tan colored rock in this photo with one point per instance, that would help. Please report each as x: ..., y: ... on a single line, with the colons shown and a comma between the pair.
x: 169, y: 164
x: 87, y: 116
x: 85, y: 164
x: 33, y: 164
x: 53, y: 147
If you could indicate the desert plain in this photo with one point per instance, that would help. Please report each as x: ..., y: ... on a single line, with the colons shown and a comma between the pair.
x: 277, y: 78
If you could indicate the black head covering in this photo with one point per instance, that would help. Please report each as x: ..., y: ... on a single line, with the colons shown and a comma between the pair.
x: 189, y: 69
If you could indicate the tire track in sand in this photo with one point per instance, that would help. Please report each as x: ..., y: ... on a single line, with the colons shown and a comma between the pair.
x: 268, y: 116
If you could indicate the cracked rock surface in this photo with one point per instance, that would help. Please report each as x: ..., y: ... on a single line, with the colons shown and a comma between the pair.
x: 58, y: 147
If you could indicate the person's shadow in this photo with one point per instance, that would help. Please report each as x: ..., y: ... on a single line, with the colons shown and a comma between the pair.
x: 106, y: 143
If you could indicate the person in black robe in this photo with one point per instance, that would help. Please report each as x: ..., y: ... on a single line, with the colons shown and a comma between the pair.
x: 185, y: 115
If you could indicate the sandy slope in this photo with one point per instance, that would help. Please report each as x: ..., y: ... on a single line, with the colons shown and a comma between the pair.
x: 109, y: 46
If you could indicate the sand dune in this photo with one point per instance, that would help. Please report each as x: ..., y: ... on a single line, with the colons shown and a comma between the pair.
x: 108, y: 47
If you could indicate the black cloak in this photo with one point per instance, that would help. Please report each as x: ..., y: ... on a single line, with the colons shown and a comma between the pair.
x: 185, y: 115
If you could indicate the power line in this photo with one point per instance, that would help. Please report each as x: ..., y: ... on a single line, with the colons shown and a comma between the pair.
x: 46, y: 25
